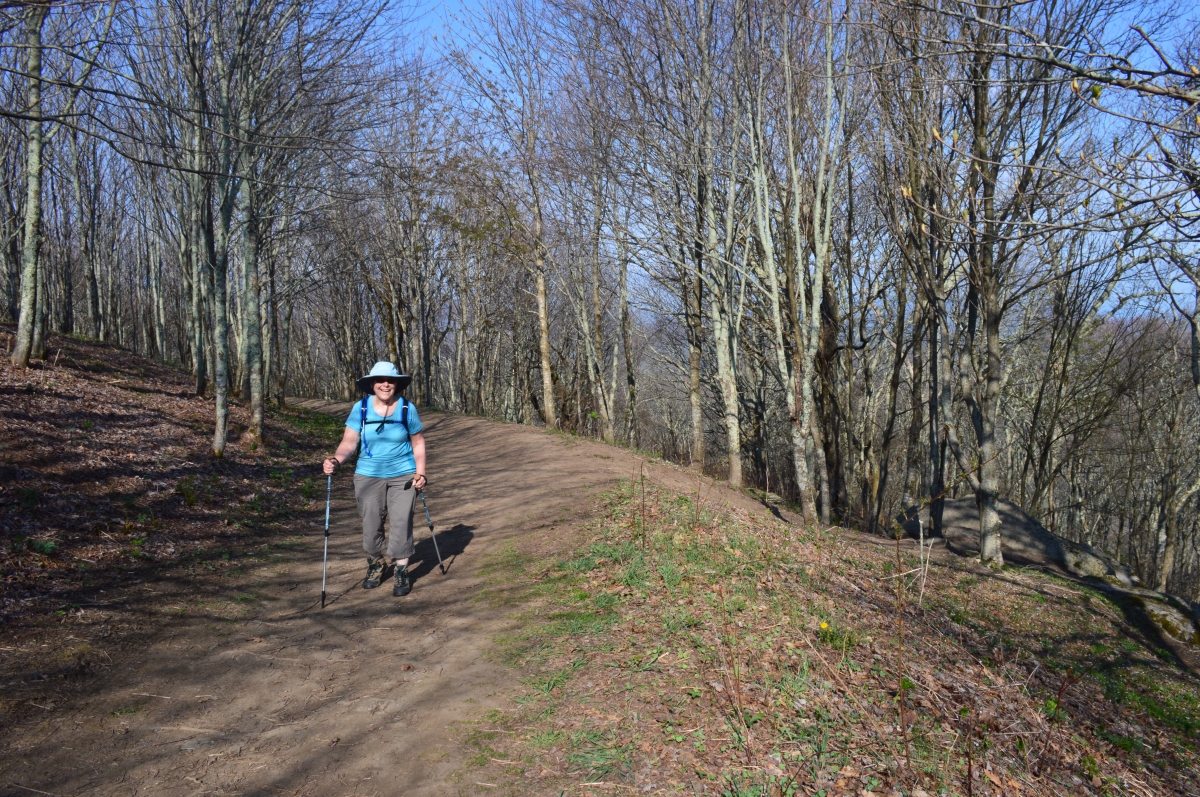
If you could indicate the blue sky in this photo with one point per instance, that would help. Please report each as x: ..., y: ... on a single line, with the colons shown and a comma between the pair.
x: 432, y: 18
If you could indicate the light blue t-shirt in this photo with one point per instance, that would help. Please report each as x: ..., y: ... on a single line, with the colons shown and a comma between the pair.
x: 385, y: 451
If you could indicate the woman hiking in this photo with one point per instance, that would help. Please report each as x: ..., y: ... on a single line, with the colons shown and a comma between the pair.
x: 390, y: 470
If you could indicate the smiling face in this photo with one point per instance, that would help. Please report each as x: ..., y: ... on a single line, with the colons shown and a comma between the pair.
x: 385, y: 389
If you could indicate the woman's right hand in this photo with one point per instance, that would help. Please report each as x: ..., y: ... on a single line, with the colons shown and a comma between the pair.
x: 330, y: 466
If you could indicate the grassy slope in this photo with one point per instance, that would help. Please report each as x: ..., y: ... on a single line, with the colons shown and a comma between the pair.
x: 115, y: 520
x: 735, y: 655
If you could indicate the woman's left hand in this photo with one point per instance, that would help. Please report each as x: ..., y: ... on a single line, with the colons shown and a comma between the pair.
x: 419, y: 481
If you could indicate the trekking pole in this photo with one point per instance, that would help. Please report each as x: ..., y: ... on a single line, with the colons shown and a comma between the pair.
x: 429, y: 520
x: 325, y: 563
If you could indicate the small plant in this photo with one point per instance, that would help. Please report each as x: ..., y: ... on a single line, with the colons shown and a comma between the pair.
x: 835, y: 636
x: 28, y: 497
x: 44, y: 547
x: 549, y: 739
x: 599, y: 755
x: 557, y: 678
x: 635, y: 574
x: 605, y: 600
x: 308, y: 488
x: 1053, y: 711
x: 1126, y: 743
x: 680, y: 621
x: 186, y: 488
x: 672, y: 576
x: 582, y: 564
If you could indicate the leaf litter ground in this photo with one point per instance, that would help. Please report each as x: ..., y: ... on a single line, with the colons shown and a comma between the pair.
x: 115, y: 518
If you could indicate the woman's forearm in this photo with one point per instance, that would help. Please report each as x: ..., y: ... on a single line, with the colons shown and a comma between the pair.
x: 418, y: 447
x: 348, y: 445
x: 344, y: 450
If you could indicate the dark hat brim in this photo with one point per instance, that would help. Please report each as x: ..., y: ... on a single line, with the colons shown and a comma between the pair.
x: 366, y: 384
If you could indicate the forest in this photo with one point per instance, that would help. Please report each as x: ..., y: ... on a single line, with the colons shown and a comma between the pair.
x: 862, y: 256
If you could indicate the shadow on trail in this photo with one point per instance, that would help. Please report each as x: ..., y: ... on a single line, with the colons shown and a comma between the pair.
x: 451, y: 543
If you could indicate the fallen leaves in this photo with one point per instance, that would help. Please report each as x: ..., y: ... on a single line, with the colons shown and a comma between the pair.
x: 107, y: 485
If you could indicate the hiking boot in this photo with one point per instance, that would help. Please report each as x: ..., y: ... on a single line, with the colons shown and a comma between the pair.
x: 374, y: 572
x: 403, y: 582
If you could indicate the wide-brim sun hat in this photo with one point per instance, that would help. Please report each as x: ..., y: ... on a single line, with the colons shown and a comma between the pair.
x: 382, y: 370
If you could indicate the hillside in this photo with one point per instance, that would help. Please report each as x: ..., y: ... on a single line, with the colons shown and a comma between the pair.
x: 707, y: 647
x: 609, y: 624
x: 107, y: 487
x: 106, y: 472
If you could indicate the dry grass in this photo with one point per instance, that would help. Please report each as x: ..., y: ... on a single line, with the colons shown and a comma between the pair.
x: 736, y: 655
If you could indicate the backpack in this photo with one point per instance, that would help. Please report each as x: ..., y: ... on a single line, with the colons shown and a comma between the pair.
x: 362, y: 423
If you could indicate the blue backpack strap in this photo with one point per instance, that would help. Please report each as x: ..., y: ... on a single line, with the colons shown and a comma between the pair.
x: 362, y: 427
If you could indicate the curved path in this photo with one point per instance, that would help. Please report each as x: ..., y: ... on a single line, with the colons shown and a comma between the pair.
x: 363, y: 697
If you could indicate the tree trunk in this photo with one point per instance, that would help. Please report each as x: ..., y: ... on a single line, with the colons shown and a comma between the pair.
x: 631, y: 426
x: 35, y: 18
x: 693, y: 304
x: 271, y: 325
x: 87, y: 224
x: 916, y: 407
x: 769, y: 273
x: 875, y: 509
x: 285, y: 346
x: 721, y: 300
x: 221, y: 337
x: 67, y: 319
x: 158, y: 312
x: 725, y: 339
x: 252, y: 311
x: 938, y: 397
x: 603, y: 404
x: 228, y: 188
x: 549, y: 413
x: 200, y: 276
x: 42, y: 299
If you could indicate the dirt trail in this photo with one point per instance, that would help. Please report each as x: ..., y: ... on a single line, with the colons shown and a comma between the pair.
x: 360, y: 698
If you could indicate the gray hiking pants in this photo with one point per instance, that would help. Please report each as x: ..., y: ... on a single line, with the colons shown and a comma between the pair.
x: 386, y: 498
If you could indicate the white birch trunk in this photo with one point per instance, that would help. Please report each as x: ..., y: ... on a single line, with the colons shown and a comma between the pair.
x: 35, y: 18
